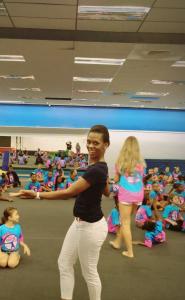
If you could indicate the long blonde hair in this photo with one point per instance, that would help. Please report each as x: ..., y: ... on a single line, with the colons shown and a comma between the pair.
x: 129, y: 156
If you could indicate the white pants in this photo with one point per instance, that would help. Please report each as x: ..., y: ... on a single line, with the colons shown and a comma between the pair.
x: 83, y: 240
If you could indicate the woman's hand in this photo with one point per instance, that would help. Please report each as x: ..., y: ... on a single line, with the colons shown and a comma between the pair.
x: 24, y: 194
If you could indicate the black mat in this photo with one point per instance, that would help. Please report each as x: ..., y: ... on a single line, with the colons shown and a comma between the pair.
x: 154, y: 274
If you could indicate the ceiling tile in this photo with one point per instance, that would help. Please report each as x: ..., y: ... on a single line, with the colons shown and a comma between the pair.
x: 65, y: 24
x: 67, y: 2
x: 113, y: 26
x: 163, y: 27
x: 170, y: 3
x: 165, y: 14
x: 5, y: 22
x: 39, y: 11
x: 108, y: 50
x: 157, y: 52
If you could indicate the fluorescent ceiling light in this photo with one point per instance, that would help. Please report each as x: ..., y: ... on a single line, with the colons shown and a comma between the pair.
x: 3, y: 11
x: 167, y: 82
x: 26, y: 89
x: 84, y: 99
x: 151, y: 94
x: 12, y: 58
x: 92, y: 79
x: 99, y: 61
x: 17, y: 77
x: 179, y: 63
x: 112, y: 12
x: 90, y: 91
x: 8, y: 102
x: 115, y: 104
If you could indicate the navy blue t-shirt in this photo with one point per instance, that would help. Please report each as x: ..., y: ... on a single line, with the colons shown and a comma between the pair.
x: 88, y: 203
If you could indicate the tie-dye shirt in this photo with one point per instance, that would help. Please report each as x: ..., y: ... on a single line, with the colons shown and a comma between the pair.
x: 10, y: 238
x: 144, y: 213
x: 156, y: 236
x: 33, y: 186
x: 131, y: 188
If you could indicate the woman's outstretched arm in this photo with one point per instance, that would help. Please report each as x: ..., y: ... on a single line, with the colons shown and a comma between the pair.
x: 76, y: 188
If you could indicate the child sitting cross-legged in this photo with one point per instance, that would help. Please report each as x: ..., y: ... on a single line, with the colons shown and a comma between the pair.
x: 172, y: 216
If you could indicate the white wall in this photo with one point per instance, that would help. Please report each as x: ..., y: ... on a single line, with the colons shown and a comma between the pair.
x: 156, y: 145
x: 51, y: 142
x: 166, y: 145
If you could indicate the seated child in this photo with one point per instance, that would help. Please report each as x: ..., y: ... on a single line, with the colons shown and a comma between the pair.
x: 144, y: 212
x: 48, y: 182
x: 60, y: 183
x: 39, y: 173
x: 113, y: 219
x: 13, y: 178
x: 4, y: 182
x: 11, y: 238
x: 154, y: 232
x: 33, y: 184
x: 156, y: 198
x: 72, y: 178
x: 172, y: 216
x: 178, y: 190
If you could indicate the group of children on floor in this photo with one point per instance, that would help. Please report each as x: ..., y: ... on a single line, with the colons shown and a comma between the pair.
x: 40, y: 180
x: 163, y: 206
x: 63, y: 159
x: 158, y: 212
x: 50, y: 180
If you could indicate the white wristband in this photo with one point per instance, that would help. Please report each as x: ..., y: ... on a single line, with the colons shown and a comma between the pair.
x: 38, y: 195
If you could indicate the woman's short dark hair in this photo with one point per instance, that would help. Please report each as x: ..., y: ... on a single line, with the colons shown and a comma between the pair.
x: 103, y: 130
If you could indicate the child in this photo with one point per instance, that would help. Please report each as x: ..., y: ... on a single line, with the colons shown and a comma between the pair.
x: 144, y: 212
x: 11, y: 238
x: 60, y: 183
x: 48, y: 182
x: 155, y: 197
x: 113, y: 219
x: 178, y: 190
x: 33, y: 185
x: 154, y: 232
x: 13, y: 178
x: 4, y: 182
x: 72, y: 178
x: 40, y: 173
x: 176, y: 173
x: 172, y: 216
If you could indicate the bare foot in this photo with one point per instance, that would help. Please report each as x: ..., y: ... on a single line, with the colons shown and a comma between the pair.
x: 125, y: 253
x: 113, y: 244
x: 136, y: 242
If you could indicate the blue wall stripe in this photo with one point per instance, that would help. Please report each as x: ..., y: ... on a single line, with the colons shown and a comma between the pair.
x: 85, y: 117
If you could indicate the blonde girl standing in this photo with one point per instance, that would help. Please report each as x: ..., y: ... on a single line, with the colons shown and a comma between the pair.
x: 129, y: 172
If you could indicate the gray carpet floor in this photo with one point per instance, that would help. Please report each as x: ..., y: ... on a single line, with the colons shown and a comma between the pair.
x: 154, y: 274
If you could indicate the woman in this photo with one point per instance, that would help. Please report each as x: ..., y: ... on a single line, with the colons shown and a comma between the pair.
x: 129, y: 176
x: 87, y: 233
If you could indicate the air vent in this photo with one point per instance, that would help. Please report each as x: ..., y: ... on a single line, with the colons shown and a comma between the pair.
x: 57, y: 99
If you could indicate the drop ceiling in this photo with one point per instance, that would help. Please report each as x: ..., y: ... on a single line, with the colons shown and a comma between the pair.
x: 50, y: 34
